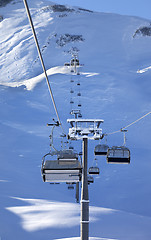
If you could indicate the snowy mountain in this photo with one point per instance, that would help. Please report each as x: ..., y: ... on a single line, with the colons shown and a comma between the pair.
x: 115, y: 86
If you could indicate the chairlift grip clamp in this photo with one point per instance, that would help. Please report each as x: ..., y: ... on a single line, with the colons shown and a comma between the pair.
x: 124, y: 130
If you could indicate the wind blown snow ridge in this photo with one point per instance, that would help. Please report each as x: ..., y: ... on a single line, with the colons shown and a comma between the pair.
x: 32, y: 82
x: 41, y: 214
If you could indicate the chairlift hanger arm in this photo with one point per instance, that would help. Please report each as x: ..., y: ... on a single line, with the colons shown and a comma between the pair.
x: 53, y: 124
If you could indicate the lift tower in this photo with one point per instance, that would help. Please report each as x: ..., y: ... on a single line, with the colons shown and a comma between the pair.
x: 84, y: 129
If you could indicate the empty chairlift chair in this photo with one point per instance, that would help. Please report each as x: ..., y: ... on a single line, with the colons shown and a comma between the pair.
x: 71, y: 91
x: 101, y: 149
x: 66, y: 168
x: 94, y: 171
x: 70, y: 186
x: 74, y: 61
x: 90, y: 179
x: 118, y: 155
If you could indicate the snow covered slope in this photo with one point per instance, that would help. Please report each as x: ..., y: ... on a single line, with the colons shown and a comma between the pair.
x: 115, y: 86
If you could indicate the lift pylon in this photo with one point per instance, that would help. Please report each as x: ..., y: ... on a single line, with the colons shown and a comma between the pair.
x: 84, y: 129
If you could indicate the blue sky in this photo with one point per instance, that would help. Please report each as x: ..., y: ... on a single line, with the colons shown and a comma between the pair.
x: 141, y: 8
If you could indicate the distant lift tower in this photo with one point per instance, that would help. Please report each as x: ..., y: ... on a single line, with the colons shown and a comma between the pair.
x: 84, y: 129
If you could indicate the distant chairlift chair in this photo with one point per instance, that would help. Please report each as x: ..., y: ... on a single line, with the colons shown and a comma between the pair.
x: 101, y: 149
x: 118, y: 155
x: 94, y: 171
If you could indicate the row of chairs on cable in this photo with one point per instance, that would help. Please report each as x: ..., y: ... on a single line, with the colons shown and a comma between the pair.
x: 67, y: 168
x: 115, y: 154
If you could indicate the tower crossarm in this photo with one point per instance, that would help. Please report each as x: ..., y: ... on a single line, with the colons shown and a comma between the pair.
x: 85, y: 128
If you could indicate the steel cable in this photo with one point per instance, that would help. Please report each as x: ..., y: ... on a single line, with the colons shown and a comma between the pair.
x: 129, y: 124
x: 42, y: 61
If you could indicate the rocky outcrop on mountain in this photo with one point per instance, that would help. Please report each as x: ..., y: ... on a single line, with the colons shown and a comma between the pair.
x: 4, y: 2
x: 144, y: 31
x: 68, y: 38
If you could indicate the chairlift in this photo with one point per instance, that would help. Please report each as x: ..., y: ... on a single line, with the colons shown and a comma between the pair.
x: 71, y: 147
x: 79, y: 94
x: 93, y: 170
x: 71, y: 101
x: 79, y: 105
x: 78, y: 84
x: 70, y: 186
x: 71, y: 91
x: 90, y: 179
x: 118, y: 155
x: 67, y: 64
x: 80, y: 115
x: 63, y: 169
x: 74, y: 61
x: 71, y: 80
x: 101, y: 149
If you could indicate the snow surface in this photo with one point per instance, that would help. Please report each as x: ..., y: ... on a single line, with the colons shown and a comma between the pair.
x: 42, y: 214
x: 112, y: 88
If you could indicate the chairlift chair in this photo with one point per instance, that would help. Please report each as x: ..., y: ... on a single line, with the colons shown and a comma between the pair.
x: 71, y: 147
x: 101, y: 149
x: 74, y: 61
x: 70, y: 186
x: 80, y: 115
x: 118, y: 155
x: 67, y: 64
x: 94, y: 171
x: 90, y: 179
x: 61, y: 170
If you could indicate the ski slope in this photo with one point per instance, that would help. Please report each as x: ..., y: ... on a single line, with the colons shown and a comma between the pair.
x: 115, y: 86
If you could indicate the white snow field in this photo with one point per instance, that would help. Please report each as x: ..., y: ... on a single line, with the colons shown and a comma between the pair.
x: 114, y: 51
